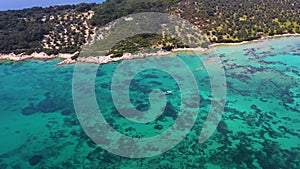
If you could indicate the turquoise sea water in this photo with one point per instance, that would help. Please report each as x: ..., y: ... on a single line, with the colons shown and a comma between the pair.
x: 260, y: 127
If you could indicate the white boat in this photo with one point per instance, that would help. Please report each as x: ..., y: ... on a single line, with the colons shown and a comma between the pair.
x: 168, y: 92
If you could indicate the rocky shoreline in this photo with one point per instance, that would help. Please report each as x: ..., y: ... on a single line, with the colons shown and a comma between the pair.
x: 41, y: 56
x: 105, y: 59
x: 127, y: 56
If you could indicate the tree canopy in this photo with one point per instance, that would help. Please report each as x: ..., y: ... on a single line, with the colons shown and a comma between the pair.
x: 66, y: 28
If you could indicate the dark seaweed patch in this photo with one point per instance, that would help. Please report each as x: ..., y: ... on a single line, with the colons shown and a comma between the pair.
x: 143, y: 107
x: 150, y: 76
x: 51, y: 104
x: 257, y: 110
x: 100, y: 73
x: 29, y: 110
x: 158, y: 127
x: 222, y: 127
x: 154, y: 83
x: 71, y: 122
x: 105, y: 86
x: 4, y: 166
x: 263, y: 100
x: 170, y: 111
x: 243, y: 154
x: 73, y: 133
x: 130, y: 129
x: 66, y: 112
x: 36, y: 159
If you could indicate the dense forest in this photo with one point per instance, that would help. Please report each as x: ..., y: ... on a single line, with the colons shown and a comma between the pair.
x: 66, y: 28
x: 239, y: 20
x: 51, y: 30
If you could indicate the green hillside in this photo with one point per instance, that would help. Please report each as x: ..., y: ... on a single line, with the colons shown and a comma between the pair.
x: 66, y: 28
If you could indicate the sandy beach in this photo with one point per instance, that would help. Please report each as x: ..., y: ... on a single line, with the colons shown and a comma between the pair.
x: 253, y: 41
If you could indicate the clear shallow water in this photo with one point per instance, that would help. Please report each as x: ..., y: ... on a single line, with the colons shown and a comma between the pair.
x: 260, y: 127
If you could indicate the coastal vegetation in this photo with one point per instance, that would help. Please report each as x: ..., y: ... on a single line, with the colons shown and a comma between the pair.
x: 239, y: 20
x: 57, y: 29
x: 145, y: 42
x: 65, y: 29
